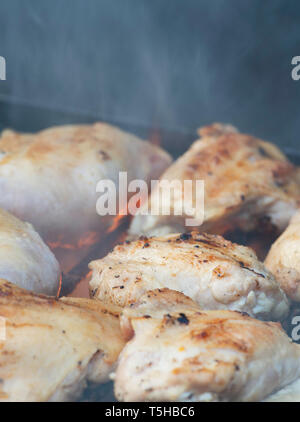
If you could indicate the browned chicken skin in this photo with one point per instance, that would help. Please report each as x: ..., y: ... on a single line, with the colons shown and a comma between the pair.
x: 283, y: 259
x: 214, y: 272
x: 245, y: 179
x: 51, y: 348
x: 178, y: 352
x: 179, y: 348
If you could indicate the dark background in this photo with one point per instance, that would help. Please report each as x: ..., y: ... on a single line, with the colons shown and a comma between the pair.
x: 172, y: 65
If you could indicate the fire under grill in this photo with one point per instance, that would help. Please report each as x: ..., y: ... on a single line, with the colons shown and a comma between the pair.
x: 77, y: 278
x: 74, y: 281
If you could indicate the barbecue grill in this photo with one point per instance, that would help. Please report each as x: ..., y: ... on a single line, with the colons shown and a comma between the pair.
x: 236, y: 84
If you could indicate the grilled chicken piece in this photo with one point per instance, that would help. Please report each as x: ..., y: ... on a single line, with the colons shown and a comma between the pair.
x: 245, y: 179
x: 24, y: 257
x: 283, y: 259
x: 49, y: 178
x: 52, y: 347
x: 214, y: 272
x: 181, y: 353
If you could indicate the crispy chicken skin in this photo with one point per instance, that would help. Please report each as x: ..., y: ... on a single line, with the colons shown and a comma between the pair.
x: 49, y: 178
x: 24, y: 258
x: 178, y: 352
x: 214, y: 272
x: 245, y: 179
x: 53, y: 347
x: 283, y: 260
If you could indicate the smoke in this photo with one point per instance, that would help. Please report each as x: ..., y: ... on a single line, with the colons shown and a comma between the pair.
x: 172, y: 64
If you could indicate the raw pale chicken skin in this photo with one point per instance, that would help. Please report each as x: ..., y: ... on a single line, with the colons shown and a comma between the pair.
x: 51, y: 348
x: 178, y: 352
x: 24, y: 258
x: 283, y: 260
x: 50, y: 178
x: 245, y: 180
x: 214, y: 272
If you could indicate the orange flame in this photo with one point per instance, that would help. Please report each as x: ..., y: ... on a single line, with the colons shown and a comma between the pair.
x: 117, y: 221
x: 59, y: 287
x: 89, y: 239
x: 70, y: 254
x: 82, y: 287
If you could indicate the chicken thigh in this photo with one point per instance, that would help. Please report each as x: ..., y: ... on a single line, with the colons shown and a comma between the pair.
x: 50, y: 348
x: 50, y: 178
x: 245, y: 179
x: 178, y: 352
x: 214, y: 272
x: 24, y: 258
x: 283, y: 260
